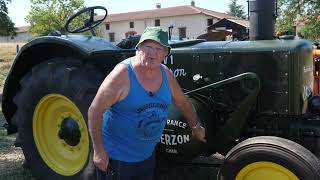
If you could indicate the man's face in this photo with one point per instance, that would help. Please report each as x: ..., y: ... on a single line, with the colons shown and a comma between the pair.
x: 152, y: 53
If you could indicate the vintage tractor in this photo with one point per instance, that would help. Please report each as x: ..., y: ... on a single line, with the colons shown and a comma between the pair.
x: 255, y: 99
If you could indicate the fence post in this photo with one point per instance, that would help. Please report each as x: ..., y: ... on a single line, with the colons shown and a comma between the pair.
x: 17, y: 48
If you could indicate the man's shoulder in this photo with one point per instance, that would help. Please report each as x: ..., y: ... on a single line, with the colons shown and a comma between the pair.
x: 126, y: 61
x: 167, y: 70
x: 118, y: 73
x: 120, y: 70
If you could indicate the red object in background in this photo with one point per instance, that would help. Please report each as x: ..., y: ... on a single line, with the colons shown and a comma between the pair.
x: 316, y: 86
x: 316, y: 74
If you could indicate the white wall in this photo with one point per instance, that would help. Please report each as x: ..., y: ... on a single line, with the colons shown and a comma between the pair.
x: 195, y: 26
x: 20, y: 37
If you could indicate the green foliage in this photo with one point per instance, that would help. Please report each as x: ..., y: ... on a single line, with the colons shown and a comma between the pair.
x: 6, y: 24
x: 292, y: 11
x: 284, y: 24
x: 236, y: 10
x: 3, y: 6
x: 49, y: 15
x: 311, y: 30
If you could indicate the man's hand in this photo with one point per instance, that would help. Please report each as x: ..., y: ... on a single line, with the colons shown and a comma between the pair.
x: 199, y: 133
x: 101, y: 160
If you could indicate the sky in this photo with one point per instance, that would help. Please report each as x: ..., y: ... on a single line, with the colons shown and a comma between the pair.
x: 19, y: 9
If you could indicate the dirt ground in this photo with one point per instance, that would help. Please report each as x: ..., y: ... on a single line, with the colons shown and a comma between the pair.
x: 11, y: 158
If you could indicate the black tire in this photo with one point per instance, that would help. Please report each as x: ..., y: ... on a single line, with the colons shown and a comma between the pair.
x: 77, y: 84
x: 273, y: 151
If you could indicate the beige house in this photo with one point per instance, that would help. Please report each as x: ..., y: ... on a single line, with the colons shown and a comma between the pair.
x: 23, y: 35
x: 188, y: 22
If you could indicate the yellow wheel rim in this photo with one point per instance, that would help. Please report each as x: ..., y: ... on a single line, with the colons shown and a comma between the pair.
x: 265, y: 171
x: 51, y: 120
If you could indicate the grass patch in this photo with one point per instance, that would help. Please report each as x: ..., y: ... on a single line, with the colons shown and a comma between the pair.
x: 7, y: 53
x: 4, y: 70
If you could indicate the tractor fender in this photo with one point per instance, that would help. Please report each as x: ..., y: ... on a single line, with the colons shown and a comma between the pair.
x: 42, y: 49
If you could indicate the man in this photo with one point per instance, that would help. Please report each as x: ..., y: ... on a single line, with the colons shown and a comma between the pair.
x: 136, y: 95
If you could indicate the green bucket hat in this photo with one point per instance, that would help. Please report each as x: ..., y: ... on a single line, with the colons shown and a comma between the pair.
x: 155, y: 34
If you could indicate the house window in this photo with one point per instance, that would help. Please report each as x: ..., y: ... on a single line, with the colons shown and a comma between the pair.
x: 131, y: 24
x: 111, y: 37
x: 107, y: 26
x: 157, y: 22
x: 209, y: 22
x: 182, y: 32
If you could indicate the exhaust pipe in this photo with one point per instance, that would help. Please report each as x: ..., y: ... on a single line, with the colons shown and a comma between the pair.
x: 262, y: 19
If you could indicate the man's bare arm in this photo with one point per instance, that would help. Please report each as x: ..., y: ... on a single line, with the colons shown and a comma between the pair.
x: 181, y: 101
x: 184, y: 105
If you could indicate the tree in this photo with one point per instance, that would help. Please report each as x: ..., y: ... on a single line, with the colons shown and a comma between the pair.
x: 236, y: 10
x: 49, y: 15
x: 311, y: 30
x: 292, y: 11
x: 6, y: 24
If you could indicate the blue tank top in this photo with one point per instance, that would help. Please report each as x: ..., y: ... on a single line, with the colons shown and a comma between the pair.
x: 133, y: 126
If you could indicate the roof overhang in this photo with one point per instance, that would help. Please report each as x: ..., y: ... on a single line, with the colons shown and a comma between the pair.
x: 230, y: 24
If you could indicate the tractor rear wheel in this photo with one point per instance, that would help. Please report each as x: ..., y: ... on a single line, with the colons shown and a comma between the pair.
x: 267, y: 157
x: 51, y: 118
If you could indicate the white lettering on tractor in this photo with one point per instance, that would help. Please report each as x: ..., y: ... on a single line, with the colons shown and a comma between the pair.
x: 175, y: 72
x: 180, y: 139
x: 172, y: 151
x: 172, y: 139
x: 176, y: 123
x: 307, y: 91
x: 170, y: 58
x: 178, y: 72
x: 307, y: 69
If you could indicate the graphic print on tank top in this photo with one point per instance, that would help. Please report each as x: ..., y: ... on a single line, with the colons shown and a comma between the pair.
x: 151, y: 118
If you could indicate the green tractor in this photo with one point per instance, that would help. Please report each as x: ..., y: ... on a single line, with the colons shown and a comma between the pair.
x: 255, y: 98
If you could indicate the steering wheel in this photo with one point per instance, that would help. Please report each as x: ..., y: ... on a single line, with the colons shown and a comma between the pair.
x: 89, y: 23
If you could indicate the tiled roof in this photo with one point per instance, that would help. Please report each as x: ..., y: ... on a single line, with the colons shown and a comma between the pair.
x: 301, y: 21
x: 230, y: 23
x: 22, y: 29
x: 242, y: 22
x: 166, y: 12
x: 218, y: 15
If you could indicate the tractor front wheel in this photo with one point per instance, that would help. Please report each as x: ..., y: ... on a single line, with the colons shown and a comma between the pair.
x: 267, y: 157
x: 51, y: 118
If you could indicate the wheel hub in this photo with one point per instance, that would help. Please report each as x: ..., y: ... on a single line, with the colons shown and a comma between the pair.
x: 70, y: 132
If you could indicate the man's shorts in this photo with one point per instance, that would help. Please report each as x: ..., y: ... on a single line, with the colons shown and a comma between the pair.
x: 120, y: 170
